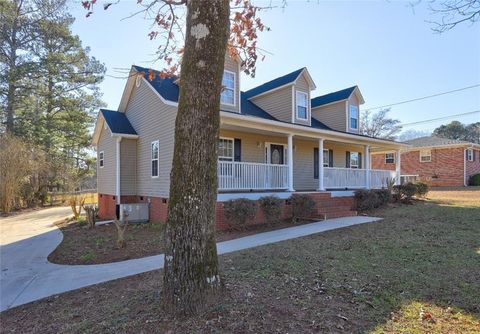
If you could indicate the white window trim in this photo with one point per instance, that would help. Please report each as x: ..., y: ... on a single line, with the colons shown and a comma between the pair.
x: 233, y: 149
x: 429, y: 155
x: 393, y: 153
x: 469, y: 154
x: 297, y: 105
x: 326, y: 153
x: 101, y: 165
x: 157, y: 159
x: 349, y: 113
x: 234, y: 89
x: 357, y: 166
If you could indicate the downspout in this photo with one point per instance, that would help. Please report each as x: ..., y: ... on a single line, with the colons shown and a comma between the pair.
x: 117, y: 174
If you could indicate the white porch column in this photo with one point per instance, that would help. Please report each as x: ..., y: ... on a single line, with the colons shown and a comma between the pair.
x: 321, y: 186
x: 290, y: 162
x: 117, y: 176
x: 367, y: 166
x: 398, y: 165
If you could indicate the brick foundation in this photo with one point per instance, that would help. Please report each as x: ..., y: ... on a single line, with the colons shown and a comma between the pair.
x: 326, y: 207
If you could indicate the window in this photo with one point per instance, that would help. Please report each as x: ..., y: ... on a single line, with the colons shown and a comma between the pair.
x: 326, y: 158
x: 228, y: 94
x: 302, y: 105
x: 225, y: 149
x: 470, y: 154
x: 101, y: 159
x: 389, y: 158
x: 155, y: 153
x: 425, y: 155
x: 353, y: 117
x: 354, y: 160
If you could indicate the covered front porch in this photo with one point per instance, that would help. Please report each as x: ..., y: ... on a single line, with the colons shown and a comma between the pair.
x: 259, y: 160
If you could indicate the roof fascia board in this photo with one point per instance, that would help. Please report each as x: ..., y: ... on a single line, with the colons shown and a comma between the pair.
x: 327, y: 104
x: 358, y: 94
x: 124, y: 135
x: 167, y: 102
x: 287, y: 127
x: 309, y: 78
x: 467, y: 145
x: 127, y: 90
x: 272, y: 90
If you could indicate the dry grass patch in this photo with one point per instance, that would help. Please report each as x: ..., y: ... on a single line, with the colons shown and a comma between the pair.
x: 382, y: 277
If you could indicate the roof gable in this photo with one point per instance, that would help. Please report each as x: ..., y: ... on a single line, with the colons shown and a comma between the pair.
x: 118, y: 122
x: 275, y: 83
x: 332, y: 97
x: 166, y: 87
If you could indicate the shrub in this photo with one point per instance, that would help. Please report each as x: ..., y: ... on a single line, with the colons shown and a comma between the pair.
x: 405, y: 192
x: 371, y: 199
x: 422, y: 189
x: 238, y: 212
x: 272, y: 209
x: 303, y: 206
x: 474, y: 180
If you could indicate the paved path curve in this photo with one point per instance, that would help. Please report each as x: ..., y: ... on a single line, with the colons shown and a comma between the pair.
x: 26, y: 240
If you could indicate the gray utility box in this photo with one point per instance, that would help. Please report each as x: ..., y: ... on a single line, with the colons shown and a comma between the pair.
x: 137, y: 212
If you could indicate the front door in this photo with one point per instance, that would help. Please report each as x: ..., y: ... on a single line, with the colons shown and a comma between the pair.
x: 276, y: 154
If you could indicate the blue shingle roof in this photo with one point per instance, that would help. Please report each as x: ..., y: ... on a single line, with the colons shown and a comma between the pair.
x: 251, y: 109
x: 275, y: 83
x: 166, y: 87
x: 319, y: 125
x: 332, y: 97
x: 118, y: 122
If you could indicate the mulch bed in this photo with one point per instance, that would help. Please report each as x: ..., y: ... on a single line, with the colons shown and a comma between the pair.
x: 81, y: 245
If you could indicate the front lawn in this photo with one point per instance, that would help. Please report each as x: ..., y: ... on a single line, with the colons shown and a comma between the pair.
x: 418, y: 271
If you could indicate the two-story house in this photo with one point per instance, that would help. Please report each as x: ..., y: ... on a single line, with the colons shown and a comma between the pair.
x: 274, y: 138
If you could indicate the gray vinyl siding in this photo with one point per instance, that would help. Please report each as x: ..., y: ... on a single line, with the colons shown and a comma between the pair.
x: 232, y: 66
x: 353, y: 101
x: 253, y: 145
x: 303, y: 165
x: 302, y: 85
x: 277, y: 103
x: 107, y: 174
x: 152, y: 120
x: 332, y: 115
x: 128, y: 162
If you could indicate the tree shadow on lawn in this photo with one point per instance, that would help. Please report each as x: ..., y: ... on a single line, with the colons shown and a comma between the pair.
x: 370, y: 277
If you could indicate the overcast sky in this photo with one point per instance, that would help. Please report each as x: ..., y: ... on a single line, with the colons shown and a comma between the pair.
x: 386, y: 48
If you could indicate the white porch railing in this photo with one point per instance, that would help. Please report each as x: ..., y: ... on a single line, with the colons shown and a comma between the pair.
x: 379, y: 178
x: 251, y: 175
x: 259, y: 176
x: 342, y: 178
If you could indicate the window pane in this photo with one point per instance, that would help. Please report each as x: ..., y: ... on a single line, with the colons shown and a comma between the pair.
x: 228, y: 94
x: 301, y: 112
x: 353, y: 159
x: 154, y: 167
x: 326, y: 158
x: 225, y: 149
x: 353, y: 117
x: 155, y: 150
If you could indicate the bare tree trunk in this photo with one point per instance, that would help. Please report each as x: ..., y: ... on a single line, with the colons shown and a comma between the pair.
x: 191, y: 275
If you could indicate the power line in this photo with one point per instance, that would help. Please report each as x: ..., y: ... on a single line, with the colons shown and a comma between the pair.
x: 423, y: 98
x: 441, y: 118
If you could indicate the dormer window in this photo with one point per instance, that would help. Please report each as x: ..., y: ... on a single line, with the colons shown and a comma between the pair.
x: 302, y: 106
x: 228, y: 94
x: 353, y: 117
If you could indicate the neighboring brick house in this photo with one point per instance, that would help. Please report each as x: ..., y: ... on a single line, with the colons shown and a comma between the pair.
x: 435, y: 161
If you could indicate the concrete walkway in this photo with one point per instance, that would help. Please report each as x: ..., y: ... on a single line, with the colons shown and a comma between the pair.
x: 27, y: 240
